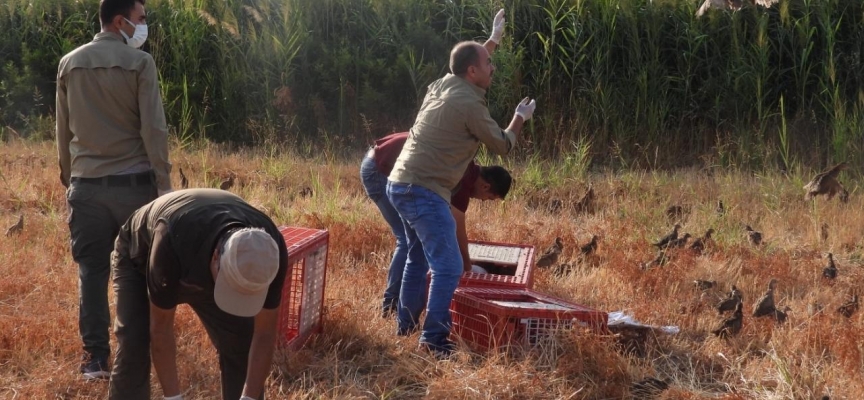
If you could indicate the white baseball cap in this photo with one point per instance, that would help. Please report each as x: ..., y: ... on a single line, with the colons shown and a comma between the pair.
x: 247, y: 266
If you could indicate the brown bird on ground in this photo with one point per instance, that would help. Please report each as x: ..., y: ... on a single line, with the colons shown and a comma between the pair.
x: 586, y: 203
x: 704, y: 285
x: 823, y: 232
x: 681, y: 241
x: 550, y: 256
x: 780, y: 316
x: 699, y: 244
x: 830, y: 271
x: 306, y: 192
x: 849, y: 308
x: 659, y: 261
x: 765, y: 305
x: 720, y: 210
x: 734, y: 298
x: 814, y: 308
x: 732, y: 325
x: 826, y: 183
x: 754, y: 237
x: 227, y: 184
x: 590, y: 247
x: 184, y: 182
x: 17, y: 228
x: 674, y: 212
x: 844, y: 194
x: 666, y: 240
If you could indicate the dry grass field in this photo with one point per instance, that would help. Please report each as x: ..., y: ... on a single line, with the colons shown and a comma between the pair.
x: 359, y: 356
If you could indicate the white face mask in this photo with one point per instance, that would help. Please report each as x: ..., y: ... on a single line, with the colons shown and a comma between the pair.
x: 138, y: 38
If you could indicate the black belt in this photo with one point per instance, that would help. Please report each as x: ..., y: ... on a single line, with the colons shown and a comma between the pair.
x: 139, y: 179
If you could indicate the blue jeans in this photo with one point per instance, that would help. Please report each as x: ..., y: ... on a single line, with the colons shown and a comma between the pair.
x: 431, y: 233
x: 375, y: 184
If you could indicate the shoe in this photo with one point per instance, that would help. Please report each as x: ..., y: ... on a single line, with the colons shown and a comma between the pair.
x: 388, y: 312
x: 94, y: 368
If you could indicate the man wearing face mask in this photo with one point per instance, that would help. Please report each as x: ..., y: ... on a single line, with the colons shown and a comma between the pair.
x: 112, y: 144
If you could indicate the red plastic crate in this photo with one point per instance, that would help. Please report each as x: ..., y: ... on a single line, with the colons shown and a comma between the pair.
x: 488, y: 318
x: 303, y: 292
x: 522, y: 276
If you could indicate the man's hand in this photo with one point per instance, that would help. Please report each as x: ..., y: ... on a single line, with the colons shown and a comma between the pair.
x: 525, y: 109
x: 497, y: 27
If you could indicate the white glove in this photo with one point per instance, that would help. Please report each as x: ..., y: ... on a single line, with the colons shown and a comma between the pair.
x: 525, y: 109
x: 177, y: 397
x: 497, y: 27
x: 478, y: 269
x: 160, y: 193
x: 246, y: 398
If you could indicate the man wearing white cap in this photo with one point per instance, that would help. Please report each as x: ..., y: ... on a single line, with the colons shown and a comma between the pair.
x: 211, y: 250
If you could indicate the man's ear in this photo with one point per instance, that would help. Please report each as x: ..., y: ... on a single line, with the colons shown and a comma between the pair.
x: 117, y: 22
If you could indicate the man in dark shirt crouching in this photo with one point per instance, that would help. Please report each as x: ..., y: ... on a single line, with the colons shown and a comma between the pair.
x: 227, y: 260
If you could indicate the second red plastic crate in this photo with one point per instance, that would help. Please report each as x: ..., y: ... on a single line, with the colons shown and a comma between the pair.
x: 489, y: 318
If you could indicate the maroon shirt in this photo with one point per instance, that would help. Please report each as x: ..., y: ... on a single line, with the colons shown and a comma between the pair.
x: 387, y: 150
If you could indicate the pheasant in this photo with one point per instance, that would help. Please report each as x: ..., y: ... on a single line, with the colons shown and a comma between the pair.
x: 659, y: 261
x: 830, y: 271
x: 227, y: 184
x: 729, y: 303
x: 550, y: 256
x: 699, y: 244
x: 666, y: 240
x: 849, y: 307
x: 586, y: 203
x: 720, y: 210
x: 780, y: 316
x: 732, y: 325
x: 674, y: 212
x: 681, y: 241
x: 184, y: 182
x: 765, y: 305
x: 704, y: 285
x: 826, y: 183
x: 754, y: 237
x: 590, y: 247
x: 17, y: 228
x: 306, y: 192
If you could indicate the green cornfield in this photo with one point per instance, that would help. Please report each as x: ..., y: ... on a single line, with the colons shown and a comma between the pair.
x: 626, y: 83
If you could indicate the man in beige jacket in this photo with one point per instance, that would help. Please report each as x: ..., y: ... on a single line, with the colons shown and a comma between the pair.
x: 112, y: 144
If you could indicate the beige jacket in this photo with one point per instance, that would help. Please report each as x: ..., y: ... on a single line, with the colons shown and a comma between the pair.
x: 109, y: 112
x: 450, y: 126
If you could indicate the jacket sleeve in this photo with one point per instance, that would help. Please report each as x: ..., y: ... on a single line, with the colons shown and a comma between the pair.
x: 154, y: 128
x: 64, y: 135
x: 486, y: 130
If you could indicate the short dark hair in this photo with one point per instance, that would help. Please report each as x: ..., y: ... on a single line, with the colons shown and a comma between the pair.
x: 498, y: 178
x: 463, y: 55
x: 108, y: 9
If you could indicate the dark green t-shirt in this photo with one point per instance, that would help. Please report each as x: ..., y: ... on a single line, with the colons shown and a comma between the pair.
x: 171, y: 240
